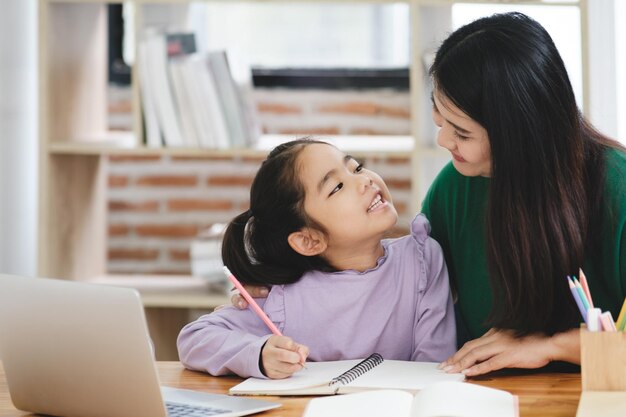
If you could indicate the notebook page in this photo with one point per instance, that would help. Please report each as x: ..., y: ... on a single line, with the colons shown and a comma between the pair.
x: 316, y: 373
x: 404, y: 375
x: 365, y: 404
x: 460, y: 399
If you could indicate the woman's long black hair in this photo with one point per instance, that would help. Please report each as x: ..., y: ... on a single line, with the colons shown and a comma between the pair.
x: 547, y: 176
x: 255, y: 246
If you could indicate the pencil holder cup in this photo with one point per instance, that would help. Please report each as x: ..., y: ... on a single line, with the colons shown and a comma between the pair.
x: 603, y: 360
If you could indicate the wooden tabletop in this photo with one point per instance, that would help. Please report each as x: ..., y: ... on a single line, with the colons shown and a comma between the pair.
x: 540, y: 394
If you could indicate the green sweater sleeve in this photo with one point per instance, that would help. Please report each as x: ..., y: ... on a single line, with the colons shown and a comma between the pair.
x: 455, y: 207
x: 606, y: 267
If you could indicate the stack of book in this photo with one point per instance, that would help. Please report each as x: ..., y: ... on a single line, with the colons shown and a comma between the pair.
x: 189, y: 98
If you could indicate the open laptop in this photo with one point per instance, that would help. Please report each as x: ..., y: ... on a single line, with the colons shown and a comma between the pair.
x: 75, y: 349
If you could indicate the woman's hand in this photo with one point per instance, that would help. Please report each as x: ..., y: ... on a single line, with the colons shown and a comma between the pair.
x: 256, y: 292
x: 281, y: 357
x: 499, y: 349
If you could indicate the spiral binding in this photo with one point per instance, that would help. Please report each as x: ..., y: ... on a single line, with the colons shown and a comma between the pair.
x: 357, y: 370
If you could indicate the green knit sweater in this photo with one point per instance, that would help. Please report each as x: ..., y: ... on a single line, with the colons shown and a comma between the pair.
x: 456, y: 208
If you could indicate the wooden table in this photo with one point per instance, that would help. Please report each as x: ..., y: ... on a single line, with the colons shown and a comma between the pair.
x: 540, y: 394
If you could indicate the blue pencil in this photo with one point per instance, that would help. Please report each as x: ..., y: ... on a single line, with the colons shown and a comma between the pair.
x: 579, y: 302
x: 581, y: 293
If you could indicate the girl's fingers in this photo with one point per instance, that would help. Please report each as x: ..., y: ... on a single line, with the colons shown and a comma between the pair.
x: 286, y: 350
x: 303, y: 351
x: 282, y: 357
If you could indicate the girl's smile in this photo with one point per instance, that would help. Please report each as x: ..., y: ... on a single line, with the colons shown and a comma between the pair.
x: 377, y: 204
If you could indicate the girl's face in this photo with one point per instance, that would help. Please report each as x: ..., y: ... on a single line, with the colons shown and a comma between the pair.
x: 352, y: 203
x: 465, y: 138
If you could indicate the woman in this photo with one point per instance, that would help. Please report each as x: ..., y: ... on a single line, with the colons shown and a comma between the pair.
x: 533, y: 193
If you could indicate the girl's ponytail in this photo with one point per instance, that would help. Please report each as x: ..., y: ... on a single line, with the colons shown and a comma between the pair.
x: 234, y: 253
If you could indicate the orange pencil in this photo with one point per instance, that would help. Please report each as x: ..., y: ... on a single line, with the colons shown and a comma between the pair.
x: 583, y: 283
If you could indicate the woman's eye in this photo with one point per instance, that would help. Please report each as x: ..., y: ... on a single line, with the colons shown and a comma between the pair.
x: 359, y: 168
x: 459, y: 136
x: 337, y: 188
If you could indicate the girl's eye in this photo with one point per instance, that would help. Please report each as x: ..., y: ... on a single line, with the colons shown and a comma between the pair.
x: 459, y: 136
x: 337, y: 188
x: 359, y: 168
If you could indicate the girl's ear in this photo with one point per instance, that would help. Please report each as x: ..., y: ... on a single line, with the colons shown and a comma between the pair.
x: 307, y: 241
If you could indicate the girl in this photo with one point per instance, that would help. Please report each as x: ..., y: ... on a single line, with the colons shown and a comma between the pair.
x: 314, y: 232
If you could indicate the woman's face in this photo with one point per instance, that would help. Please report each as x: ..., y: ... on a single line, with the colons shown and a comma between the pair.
x: 465, y: 138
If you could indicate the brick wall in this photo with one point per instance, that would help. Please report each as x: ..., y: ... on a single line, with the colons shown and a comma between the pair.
x: 157, y: 205
x: 377, y: 112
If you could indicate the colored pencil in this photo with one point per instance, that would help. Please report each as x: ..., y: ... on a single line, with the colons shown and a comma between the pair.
x: 572, y: 287
x: 585, y: 285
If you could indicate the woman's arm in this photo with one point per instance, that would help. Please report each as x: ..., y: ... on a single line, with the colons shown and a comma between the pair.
x: 499, y: 349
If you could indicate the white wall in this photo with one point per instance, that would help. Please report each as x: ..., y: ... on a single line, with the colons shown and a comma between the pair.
x: 620, y: 48
x: 18, y: 136
x: 602, y: 65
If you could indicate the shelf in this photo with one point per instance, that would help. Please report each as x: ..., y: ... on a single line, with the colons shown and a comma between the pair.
x: 422, y: 2
x: 104, y: 148
x: 266, y: 1
x: 514, y: 2
x: 172, y: 291
x: 123, y: 144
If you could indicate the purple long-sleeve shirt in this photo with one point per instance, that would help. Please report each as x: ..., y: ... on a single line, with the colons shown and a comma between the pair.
x: 402, y: 309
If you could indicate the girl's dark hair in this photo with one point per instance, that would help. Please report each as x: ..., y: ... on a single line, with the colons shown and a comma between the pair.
x: 255, y: 246
x: 547, y: 162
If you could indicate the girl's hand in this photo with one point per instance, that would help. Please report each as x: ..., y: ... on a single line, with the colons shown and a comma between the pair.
x: 499, y: 349
x: 281, y: 357
x: 256, y: 292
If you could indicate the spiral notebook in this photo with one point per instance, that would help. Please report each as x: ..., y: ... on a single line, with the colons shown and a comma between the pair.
x: 342, y: 377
